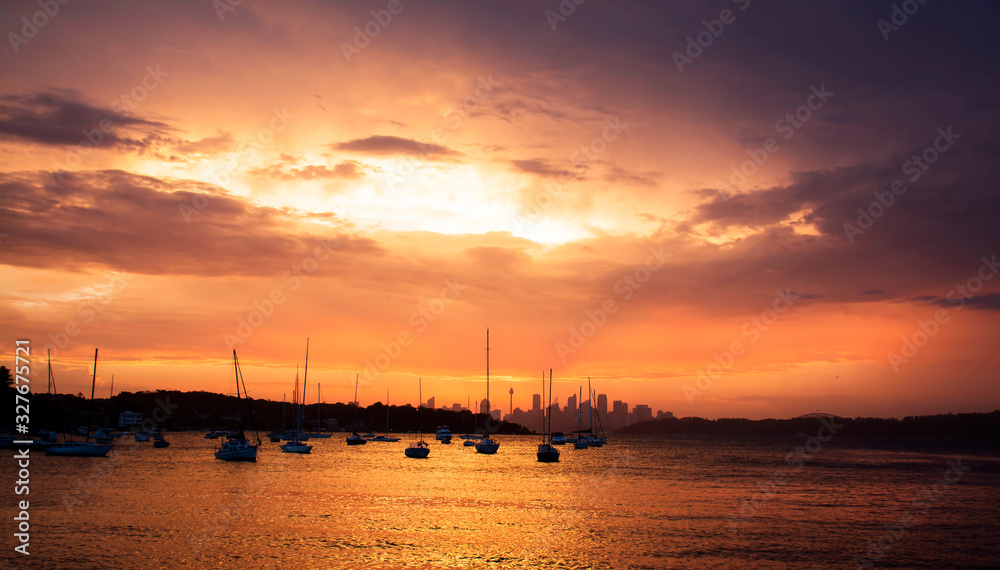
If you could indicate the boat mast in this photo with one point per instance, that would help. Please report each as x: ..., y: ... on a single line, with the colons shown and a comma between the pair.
x: 487, y: 376
x: 295, y: 401
x: 597, y: 413
x: 590, y: 408
x: 93, y: 382
x: 579, y: 412
x: 239, y: 379
x: 420, y: 407
x: 543, y: 409
x: 319, y: 396
x: 305, y: 378
x: 48, y: 414
x: 355, y: 426
x: 239, y: 414
x: 387, y: 413
x: 550, y: 401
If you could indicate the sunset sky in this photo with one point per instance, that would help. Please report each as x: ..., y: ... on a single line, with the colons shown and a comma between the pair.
x: 610, y: 198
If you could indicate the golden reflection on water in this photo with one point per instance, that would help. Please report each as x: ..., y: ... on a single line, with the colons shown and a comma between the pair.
x: 637, y: 502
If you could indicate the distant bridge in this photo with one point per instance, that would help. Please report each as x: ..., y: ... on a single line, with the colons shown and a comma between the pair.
x: 817, y: 415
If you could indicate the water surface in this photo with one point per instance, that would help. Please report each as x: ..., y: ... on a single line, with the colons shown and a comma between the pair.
x: 639, y: 502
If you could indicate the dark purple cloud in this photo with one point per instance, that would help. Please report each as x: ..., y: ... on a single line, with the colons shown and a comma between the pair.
x: 391, y: 145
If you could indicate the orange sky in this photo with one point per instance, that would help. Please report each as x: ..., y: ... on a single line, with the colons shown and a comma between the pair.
x: 476, y: 168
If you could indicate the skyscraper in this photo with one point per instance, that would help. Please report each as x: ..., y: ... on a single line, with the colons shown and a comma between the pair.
x: 571, y: 404
x: 642, y: 412
x: 602, y: 404
x: 536, y: 402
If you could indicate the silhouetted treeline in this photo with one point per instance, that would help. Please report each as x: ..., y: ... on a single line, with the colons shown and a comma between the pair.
x: 173, y: 410
x: 961, y: 426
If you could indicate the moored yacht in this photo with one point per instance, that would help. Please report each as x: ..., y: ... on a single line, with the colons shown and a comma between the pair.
x: 237, y: 447
x: 443, y: 433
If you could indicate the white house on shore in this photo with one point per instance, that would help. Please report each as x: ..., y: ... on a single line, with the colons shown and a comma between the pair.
x: 129, y: 419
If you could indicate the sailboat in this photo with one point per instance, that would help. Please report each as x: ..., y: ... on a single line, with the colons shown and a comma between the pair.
x: 83, y: 448
x: 580, y: 442
x: 319, y: 407
x: 385, y: 438
x: 356, y: 439
x: 296, y: 445
x: 420, y: 449
x: 547, y: 453
x: 596, y: 441
x: 237, y: 447
x: 48, y: 437
x: 487, y: 445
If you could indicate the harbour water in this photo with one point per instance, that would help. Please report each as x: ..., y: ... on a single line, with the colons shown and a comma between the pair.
x: 638, y: 502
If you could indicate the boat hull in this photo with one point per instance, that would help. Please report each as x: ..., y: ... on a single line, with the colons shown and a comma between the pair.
x: 489, y: 447
x: 469, y: 442
x: 292, y: 447
x: 547, y: 454
x: 417, y: 452
x: 247, y: 453
x: 161, y: 443
x: 356, y: 441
